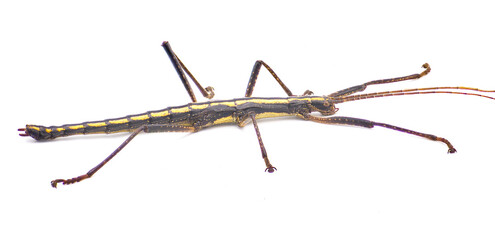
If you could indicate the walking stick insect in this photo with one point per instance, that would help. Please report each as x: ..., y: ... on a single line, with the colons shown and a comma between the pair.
x: 195, y: 116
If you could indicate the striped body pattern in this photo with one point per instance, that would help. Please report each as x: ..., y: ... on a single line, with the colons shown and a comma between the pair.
x: 195, y: 116
x: 198, y: 115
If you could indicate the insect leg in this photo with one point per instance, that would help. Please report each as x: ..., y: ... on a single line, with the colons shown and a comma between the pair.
x: 254, y: 77
x: 145, y: 128
x: 269, y: 167
x: 362, y: 87
x: 180, y: 68
x: 370, y: 124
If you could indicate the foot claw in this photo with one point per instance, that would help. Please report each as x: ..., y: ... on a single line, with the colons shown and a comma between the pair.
x: 428, y: 69
x: 452, y: 150
x: 308, y: 93
x: 270, y: 169
x: 210, y: 92
x: 69, y: 181
x: 55, y: 182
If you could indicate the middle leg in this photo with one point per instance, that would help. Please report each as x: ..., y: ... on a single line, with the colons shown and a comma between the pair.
x: 362, y: 87
x: 254, y: 77
x: 180, y: 68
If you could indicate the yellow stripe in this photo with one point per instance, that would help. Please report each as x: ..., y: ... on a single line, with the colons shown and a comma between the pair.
x: 160, y: 114
x: 119, y: 121
x: 33, y: 127
x: 75, y: 127
x: 228, y: 119
x: 229, y: 103
x: 271, y: 114
x: 141, y: 117
x: 261, y: 101
x: 60, y: 129
x: 307, y: 99
x: 97, y: 124
x: 199, y: 106
x: 48, y: 130
x: 180, y: 110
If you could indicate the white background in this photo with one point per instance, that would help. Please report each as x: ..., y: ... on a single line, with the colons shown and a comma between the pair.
x: 67, y: 63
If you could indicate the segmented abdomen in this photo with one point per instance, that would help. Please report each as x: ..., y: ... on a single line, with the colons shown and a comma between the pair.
x: 124, y: 124
x: 204, y: 114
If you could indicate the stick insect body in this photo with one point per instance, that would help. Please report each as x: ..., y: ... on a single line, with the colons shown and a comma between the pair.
x: 195, y: 116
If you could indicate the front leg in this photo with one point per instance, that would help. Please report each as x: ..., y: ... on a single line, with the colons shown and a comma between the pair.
x: 269, y: 167
x: 370, y: 124
x: 362, y: 87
